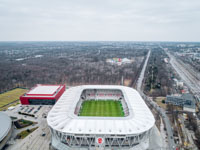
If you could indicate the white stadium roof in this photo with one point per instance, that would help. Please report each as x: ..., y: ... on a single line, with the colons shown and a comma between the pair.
x: 44, y: 89
x: 62, y: 117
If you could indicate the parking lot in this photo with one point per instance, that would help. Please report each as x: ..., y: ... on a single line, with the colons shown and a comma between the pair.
x: 40, y: 138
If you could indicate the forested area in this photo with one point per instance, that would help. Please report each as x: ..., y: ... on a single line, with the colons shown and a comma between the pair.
x: 71, y: 63
x: 158, y: 80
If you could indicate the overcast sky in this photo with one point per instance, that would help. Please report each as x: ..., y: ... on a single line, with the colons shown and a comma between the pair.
x: 105, y: 20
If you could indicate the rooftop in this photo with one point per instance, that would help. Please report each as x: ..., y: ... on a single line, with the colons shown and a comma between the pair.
x: 44, y: 90
x: 186, y: 99
x: 187, y: 96
x: 5, y: 125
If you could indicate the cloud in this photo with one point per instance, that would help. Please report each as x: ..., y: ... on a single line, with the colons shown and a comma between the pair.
x: 100, y: 20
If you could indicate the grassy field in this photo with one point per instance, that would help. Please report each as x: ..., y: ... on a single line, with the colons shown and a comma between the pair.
x: 25, y: 133
x: 102, y: 108
x: 11, y: 96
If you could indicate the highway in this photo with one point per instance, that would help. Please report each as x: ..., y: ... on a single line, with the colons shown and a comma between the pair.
x: 161, y: 111
x: 189, y: 77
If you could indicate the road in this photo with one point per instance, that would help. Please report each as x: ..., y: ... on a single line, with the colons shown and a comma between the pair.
x: 165, y: 118
x: 187, y: 74
x: 141, y: 77
x: 161, y: 111
x: 163, y: 133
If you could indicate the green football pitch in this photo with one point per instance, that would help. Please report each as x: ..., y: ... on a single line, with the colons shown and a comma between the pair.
x: 102, y: 108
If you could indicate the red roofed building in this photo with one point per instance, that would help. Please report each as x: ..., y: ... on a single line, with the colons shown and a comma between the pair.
x: 42, y: 95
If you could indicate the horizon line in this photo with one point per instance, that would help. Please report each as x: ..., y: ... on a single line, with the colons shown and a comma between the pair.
x: 96, y: 41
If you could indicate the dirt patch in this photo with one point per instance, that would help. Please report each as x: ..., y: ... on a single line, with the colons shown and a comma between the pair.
x: 159, y: 100
x: 127, y: 82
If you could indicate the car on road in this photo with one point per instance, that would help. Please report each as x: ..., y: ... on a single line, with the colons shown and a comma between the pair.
x: 43, y: 134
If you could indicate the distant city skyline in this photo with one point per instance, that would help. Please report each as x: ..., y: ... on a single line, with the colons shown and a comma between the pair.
x: 99, y: 20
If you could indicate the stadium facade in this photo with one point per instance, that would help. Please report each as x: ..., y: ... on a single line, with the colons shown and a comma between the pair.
x: 42, y: 95
x: 5, y: 129
x: 70, y: 131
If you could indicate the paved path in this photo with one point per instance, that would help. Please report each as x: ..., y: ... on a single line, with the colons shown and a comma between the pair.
x: 34, y: 141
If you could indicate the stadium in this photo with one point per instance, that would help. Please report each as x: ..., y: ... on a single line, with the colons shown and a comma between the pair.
x: 5, y: 129
x: 100, y: 117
